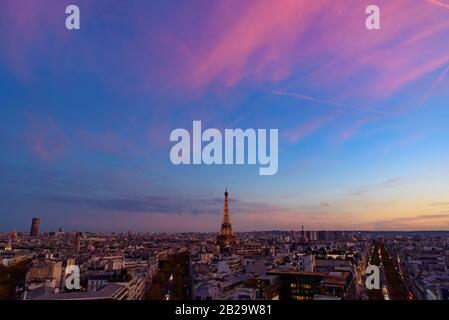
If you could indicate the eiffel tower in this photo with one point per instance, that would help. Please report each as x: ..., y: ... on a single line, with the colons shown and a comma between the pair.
x: 226, y: 236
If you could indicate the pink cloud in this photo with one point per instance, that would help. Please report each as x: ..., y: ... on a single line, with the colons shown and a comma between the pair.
x: 265, y: 42
x: 439, y: 3
x: 350, y: 132
x: 435, y: 84
x: 307, y: 128
x: 412, y: 74
x: 338, y: 105
x: 253, y: 41
x: 45, y: 137
x: 257, y: 41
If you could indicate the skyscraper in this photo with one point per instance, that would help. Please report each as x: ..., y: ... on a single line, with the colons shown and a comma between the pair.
x: 226, y: 235
x: 13, y: 235
x: 35, y: 224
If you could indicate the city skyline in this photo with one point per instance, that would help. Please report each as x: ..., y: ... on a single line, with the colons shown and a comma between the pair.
x: 86, y: 115
x: 219, y: 232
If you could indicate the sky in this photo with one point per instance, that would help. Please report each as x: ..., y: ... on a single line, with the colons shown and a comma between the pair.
x: 86, y: 115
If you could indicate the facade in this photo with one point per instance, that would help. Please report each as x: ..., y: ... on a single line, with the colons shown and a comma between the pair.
x: 306, y: 263
x: 99, y: 288
x: 298, y: 285
x: 48, y: 273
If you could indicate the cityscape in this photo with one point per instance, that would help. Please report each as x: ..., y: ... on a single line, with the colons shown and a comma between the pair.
x: 265, y: 265
x: 187, y: 153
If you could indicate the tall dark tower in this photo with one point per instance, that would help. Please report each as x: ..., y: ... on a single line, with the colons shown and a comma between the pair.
x: 226, y: 235
x: 35, y: 224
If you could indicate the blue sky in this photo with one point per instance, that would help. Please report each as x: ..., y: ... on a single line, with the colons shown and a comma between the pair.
x: 85, y: 115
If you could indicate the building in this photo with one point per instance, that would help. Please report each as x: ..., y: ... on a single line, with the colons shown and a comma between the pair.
x: 303, y: 235
x: 226, y: 235
x: 45, y: 272
x: 35, y: 224
x: 241, y: 293
x: 13, y: 235
x: 311, y: 235
x: 306, y: 263
x: 267, y: 287
x: 336, y: 285
x: 326, y: 235
x: 298, y: 285
x: 131, y: 289
x: 255, y: 266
